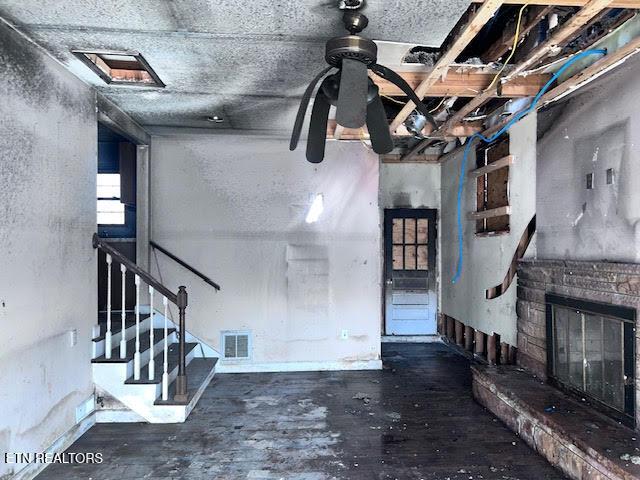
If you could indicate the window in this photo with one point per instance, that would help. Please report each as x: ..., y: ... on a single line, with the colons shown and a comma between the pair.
x: 124, y: 68
x: 110, y: 209
x: 492, y: 187
x: 592, y: 352
x: 410, y: 243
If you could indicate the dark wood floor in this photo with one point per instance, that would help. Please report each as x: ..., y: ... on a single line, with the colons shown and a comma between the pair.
x: 416, y: 419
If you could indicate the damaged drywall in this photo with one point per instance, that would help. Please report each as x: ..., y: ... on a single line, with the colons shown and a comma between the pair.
x: 48, y: 276
x: 234, y: 207
x: 487, y: 259
x: 595, y: 135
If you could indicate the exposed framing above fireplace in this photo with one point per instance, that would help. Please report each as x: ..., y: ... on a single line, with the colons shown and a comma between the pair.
x: 591, y: 353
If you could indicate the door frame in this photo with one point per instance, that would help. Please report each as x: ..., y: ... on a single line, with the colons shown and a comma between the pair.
x: 430, y: 214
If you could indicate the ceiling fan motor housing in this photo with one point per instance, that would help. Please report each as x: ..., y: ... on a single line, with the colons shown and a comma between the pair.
x: 351, y: 46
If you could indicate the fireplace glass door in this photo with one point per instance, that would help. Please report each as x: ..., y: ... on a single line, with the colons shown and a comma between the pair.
x: 592, y: 353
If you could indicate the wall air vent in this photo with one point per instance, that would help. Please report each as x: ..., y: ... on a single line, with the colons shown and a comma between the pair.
x: 120, y: 68
x: 236, y: 345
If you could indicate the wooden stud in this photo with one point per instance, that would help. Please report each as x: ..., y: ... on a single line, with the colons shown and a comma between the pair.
x: 491, y: 349
x: 500, y: 163
x: 513, y: 355
x: 480, y: 339
x: 459, y: 326
x: 494, y: 212
x: 451, y: 328
x: 468, y: 33
x: 504, y: 353
x: 441, y: 324
x: 469, y: 335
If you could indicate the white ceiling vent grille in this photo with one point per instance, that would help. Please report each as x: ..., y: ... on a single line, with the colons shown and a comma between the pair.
x: 236, y: 345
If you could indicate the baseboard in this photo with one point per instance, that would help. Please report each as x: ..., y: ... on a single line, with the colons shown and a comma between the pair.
x: 297, y: 366
x: 60, y: 445
x: 411, y: 338
x: 119, y: 416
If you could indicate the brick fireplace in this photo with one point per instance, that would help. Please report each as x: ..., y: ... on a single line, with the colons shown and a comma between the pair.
x: 611, y: 289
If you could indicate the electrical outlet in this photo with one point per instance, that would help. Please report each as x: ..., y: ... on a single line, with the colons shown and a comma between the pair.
x: 73, y: 337
x: 344, y: 334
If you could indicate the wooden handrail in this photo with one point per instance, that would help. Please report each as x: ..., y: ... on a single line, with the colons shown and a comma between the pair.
x: 180, y: 299
x: 184, y: 264
x: 120, y: 258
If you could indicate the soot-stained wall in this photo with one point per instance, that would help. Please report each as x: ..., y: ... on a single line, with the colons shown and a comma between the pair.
x: 487, y: 259
x: 48, y: 268
x: 596, y: 131
x: 234, y: 207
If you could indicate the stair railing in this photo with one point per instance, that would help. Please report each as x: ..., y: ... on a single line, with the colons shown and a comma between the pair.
x: 179, y: 299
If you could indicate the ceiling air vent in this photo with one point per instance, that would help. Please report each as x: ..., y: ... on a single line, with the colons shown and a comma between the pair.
x: 236, y: 345
x: 120, y: 68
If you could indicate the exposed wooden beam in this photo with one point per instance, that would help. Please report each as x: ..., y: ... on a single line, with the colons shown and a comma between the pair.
x: 564, y: 33
x: 463, y: 84
x: 338, y: 132
x: 532, y: 17
x: 494, y: 212
x: 493, y: 166
x: 571, y: 3
x: 468, y: 33
x: 591, y: 72
x: 396, y: 158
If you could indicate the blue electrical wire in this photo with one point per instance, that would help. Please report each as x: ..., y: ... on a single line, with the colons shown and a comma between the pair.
x: 493, y: 137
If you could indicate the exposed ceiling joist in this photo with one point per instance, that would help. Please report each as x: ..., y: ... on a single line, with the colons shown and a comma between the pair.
x: 463, y: 84
x: 532, y: 17
x: 468, y: 33
x: 571, y: 3
x: 564, y: 33
x: 591, y: 72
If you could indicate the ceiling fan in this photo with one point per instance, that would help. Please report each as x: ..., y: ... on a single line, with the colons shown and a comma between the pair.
x: 355, y: 96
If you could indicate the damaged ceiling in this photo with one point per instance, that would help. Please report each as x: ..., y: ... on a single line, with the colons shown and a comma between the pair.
x: 248, y: 62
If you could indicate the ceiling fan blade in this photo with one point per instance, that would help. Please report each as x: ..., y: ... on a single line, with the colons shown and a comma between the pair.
x: 351, y: 110
x: 378, y: 126
x: 302, y: 110
x: 318, y: 128
x: 397, y: 80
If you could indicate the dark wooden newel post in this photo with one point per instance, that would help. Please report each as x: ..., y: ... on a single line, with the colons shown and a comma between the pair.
x: 181, y: 381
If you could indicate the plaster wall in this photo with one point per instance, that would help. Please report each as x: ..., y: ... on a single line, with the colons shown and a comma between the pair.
x: 48, y: 150
x: 234, y: 207
x: 486, y: 259
x: 594, y: 131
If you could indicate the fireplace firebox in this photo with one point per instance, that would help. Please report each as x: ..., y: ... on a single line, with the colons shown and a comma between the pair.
x: 591, y: 353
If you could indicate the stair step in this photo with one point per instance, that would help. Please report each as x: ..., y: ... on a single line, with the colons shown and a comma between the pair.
x: 116, y: 322
x: 174, y: 355
x: 158, y: 334
x: 197, y: 372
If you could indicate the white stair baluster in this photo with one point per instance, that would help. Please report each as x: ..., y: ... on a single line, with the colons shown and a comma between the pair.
x: 123, y: 316
x: 136, y: 355
x: 165, y: 374
x: 107, y: 335
x: 152, y: 366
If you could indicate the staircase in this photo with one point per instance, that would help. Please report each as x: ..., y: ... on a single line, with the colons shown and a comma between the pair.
x: 144, y: 368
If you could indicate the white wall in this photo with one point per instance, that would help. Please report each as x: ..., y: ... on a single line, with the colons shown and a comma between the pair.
x: 410, y: 185
x: 486, y: 259
x: 234, y: 207
x: 47, y: 264
x: 596, y: 130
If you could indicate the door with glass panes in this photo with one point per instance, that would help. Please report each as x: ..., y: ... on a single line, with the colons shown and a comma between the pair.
x: 410, y: 275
